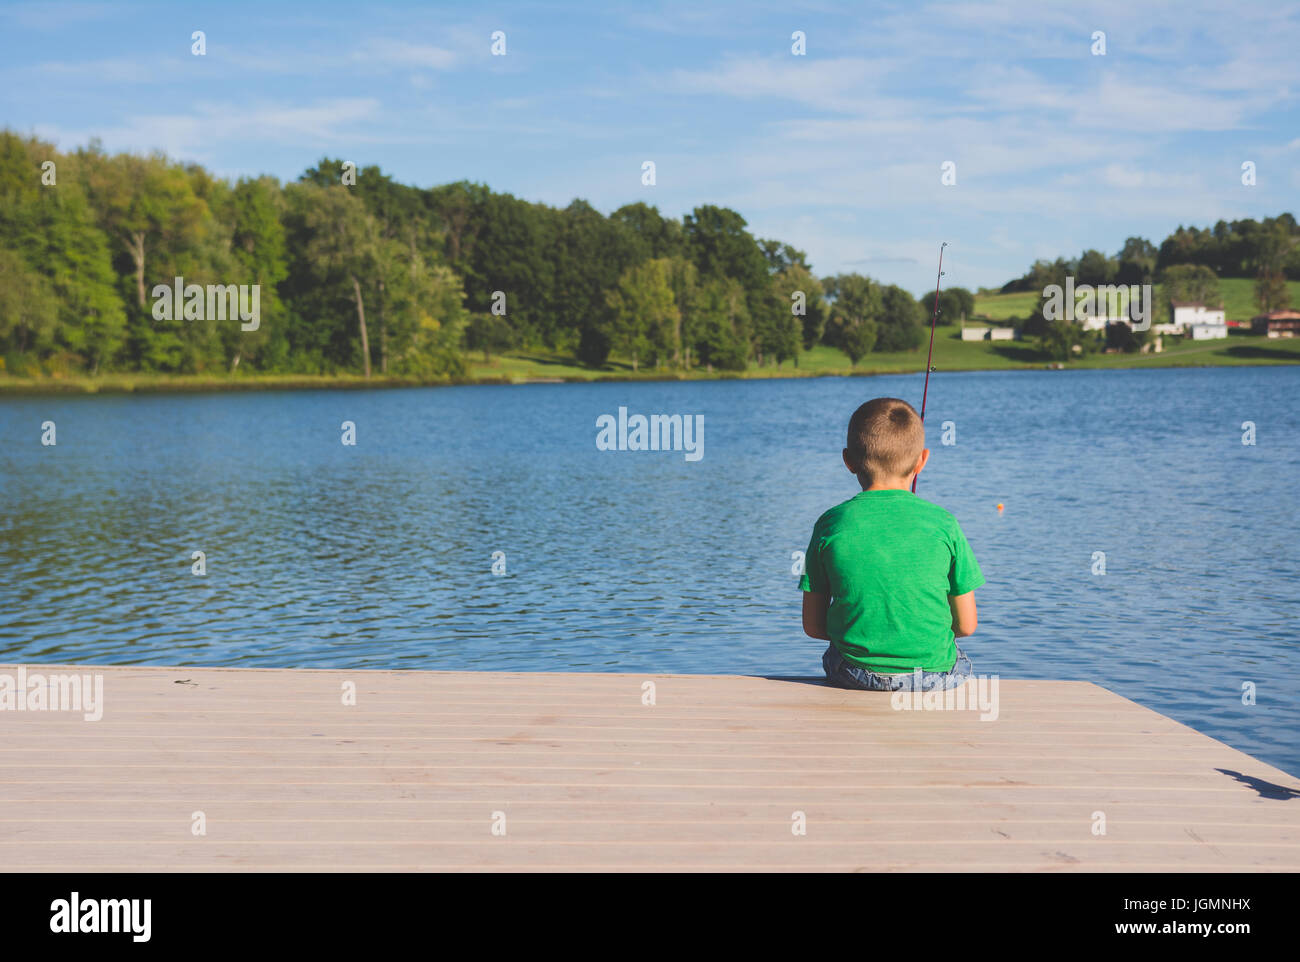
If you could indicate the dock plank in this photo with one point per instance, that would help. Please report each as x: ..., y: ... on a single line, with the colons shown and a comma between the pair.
x: 712, y: 776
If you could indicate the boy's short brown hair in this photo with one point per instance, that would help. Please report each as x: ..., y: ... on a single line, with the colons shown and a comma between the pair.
x: 886, y: 438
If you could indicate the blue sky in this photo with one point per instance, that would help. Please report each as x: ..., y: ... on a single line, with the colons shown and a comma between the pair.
x: 838, y: 152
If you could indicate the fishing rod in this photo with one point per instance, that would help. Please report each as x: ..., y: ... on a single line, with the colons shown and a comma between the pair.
x: 934, y: 319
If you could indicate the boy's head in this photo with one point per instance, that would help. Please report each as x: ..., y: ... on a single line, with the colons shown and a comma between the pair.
x: 886, y: 443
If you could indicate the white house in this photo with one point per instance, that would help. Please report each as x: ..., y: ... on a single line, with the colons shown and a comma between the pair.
x: 1194, y: 312
x: 1002, y: 334
x: 1184, y: 315
x: 974, y: 333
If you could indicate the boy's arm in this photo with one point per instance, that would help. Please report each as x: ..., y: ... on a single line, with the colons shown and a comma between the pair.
x: 815, y: 606
x: 964, y: 619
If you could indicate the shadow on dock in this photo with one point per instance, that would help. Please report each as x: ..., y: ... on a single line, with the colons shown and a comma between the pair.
x: 1266, y: 789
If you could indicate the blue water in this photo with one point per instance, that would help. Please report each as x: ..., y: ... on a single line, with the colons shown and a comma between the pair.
x: 379, y: 555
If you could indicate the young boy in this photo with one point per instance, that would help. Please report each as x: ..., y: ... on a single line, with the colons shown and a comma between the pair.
x: 889, y: 579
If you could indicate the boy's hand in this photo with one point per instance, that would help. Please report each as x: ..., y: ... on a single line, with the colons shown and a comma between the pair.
x: 964, y: 619
x: 815, y: 607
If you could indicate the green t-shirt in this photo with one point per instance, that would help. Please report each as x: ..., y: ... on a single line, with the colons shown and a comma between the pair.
x: 889, y: 560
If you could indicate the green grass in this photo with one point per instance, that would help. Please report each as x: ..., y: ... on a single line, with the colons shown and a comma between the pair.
x: 950, y: 354
x: 1238, y: 301
x: 155, y: 383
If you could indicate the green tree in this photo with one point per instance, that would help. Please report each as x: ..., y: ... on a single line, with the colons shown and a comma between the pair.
x: 492, y: 335
x: 657, y: 236
x: 722, y: 324
x: 643, y: 316
x: 955, y: 304
x: 1062, y: 340
x: 1272, y: 252
x: 340, y: 249
x: 53, y: 228
x: 434, y: 298
x: 29, y: 310
x: 591, y: 254
x: 854, y: 315
x: 1187, y: 282
x: 721, y: 247
x: 1271, y: 293
x: 1095, y: 268
x: 161, y: 229
x: 687, y: 296
x: 900, y: 321
x: 257, y: 244
x: 809, y: 311
x: 1137, y: 262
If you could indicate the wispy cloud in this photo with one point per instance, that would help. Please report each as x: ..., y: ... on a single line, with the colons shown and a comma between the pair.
x: 401, y: 53
x: 837, y: 152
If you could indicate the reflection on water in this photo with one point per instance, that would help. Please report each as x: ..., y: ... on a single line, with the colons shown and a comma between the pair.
x: 379, y: 555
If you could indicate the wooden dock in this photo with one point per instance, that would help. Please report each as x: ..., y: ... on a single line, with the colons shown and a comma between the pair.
x: 496, y: 771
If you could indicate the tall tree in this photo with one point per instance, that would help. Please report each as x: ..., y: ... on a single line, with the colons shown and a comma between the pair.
x: 341, y: 249
x: 29, y: 310
x: 900, y: 321
x: 53, y: 228
x: 854, y: 315
x: 643, y: 315
x: 799, y: 296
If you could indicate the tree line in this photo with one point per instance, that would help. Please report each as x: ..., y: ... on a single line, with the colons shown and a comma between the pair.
x: 359, y: 273
x: 1267, y: 251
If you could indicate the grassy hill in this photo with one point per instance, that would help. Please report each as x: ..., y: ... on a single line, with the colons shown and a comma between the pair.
x: 950, y: 353
x: 1238, y: 301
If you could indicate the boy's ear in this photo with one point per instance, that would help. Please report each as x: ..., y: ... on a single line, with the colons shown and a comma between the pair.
x: 847, y: 463
x: 921, y: 462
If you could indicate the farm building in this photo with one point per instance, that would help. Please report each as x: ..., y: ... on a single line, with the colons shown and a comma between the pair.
x: 1184, y: 316
x: 1277, y: 324
x: 988, y: 333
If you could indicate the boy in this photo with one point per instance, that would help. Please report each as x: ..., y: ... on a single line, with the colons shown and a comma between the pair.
x: 889, y: 579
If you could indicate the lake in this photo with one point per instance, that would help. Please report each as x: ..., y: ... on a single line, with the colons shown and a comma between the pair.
x: 381, y: 554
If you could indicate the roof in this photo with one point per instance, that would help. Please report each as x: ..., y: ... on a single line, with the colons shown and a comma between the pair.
x: 1278, y: 316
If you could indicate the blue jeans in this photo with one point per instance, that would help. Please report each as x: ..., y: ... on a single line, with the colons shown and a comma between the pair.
x: 843, y: 674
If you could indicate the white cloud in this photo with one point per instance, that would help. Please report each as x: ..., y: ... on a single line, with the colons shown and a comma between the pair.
x: 118, y: 70
x: 211, y: 127
x: 401, y: 53
x: 843, y: 84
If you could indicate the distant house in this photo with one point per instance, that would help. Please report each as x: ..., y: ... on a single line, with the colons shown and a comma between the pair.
x: 988, y: 333
x: 1185, y: 316
x: 1277, y: 324
x: 1183, y: 313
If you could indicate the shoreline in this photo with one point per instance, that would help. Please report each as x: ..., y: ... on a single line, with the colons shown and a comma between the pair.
x: 124, y: 384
